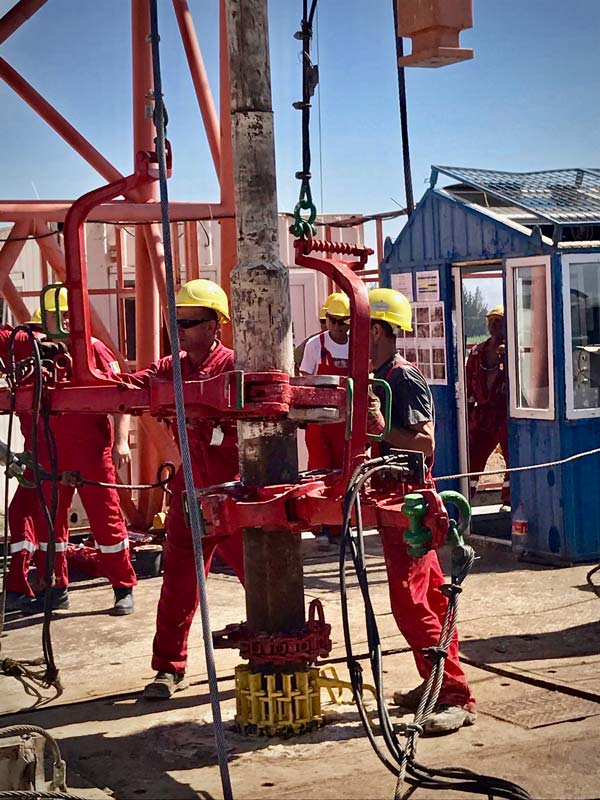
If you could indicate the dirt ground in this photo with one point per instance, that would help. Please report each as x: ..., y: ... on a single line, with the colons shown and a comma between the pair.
x: 530, y: 643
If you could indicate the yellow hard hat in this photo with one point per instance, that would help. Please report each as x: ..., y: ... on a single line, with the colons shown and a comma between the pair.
x: 49, y: 298
x: 36, y: 318
x: 323, y: 312
x: 497, y: 311
x: 337, y: 305
x: 204, y: 294
x: 392, y: 307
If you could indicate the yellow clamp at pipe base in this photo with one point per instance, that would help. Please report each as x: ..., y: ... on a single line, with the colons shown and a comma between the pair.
x: 286, y: 704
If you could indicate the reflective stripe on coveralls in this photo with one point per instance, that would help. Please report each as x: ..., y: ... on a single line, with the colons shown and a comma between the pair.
x: 84, y: 442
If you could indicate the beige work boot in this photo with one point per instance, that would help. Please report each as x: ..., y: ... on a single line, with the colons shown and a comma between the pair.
x: 409, y: 698
x: 448, y: 719
x: 164, y: 686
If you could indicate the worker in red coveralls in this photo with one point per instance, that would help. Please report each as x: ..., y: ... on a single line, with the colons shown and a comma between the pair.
x: 487, y: 401
x: 417, y: 603
x: 86, y: 443
x: 201, y: 308
x: 327, y: 354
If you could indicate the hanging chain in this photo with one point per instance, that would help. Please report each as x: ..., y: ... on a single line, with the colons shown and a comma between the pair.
x: 304, y: 227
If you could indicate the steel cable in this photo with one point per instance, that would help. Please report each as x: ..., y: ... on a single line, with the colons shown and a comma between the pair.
x: 544, y: 465
x: 196, y: 522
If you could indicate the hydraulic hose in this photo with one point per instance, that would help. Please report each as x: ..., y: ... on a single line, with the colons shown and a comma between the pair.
x: 399, y: 760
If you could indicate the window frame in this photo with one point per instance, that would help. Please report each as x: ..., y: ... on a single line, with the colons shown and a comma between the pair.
x: 511, y: 266
x: 566, y: 260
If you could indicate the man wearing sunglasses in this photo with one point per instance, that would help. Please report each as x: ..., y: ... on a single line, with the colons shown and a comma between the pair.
x: 202, y: 307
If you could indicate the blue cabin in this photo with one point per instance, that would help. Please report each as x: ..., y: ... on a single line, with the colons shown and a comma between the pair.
x: 529, y: 241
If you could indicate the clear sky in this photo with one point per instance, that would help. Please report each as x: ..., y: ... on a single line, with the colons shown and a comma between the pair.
x: 528, y: 101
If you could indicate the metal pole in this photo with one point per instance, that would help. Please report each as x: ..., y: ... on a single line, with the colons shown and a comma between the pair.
x: 11, y: 249
x: 147, y: 316
x: 119, y: 211
x: 17, y: 15
x: 199, y: 79
x: 408, y: 190
x: 261, y: 316
x: 227, y: 227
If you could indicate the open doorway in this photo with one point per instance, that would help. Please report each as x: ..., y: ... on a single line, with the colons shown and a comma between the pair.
x: 482, y: 394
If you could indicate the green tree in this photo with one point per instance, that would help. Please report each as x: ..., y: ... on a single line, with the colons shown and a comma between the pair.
x: 474, y: 311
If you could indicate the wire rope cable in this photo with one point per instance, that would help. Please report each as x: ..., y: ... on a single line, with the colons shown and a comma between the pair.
x: 196, y: 522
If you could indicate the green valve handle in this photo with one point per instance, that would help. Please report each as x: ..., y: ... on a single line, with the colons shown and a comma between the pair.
x: 240, y: 389
x: 457, y: 530
x: 417, y: 537
x: 62, y: 332
x: 387, y: 413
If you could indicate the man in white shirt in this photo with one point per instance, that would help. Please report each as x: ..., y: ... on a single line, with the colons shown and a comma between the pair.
x: 327, y: 354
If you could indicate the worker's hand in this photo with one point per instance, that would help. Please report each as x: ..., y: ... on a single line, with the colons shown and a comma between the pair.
x: 375, y: 420
x: 121, y: 454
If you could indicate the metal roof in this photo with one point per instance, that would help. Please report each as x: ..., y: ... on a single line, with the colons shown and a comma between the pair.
x: 560, y: 196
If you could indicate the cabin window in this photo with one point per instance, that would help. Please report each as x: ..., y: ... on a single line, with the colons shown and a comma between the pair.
x: 529, y: 336
x: 581, y: 301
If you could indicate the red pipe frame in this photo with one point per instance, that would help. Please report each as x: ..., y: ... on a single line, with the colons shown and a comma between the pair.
x: 30, y: 215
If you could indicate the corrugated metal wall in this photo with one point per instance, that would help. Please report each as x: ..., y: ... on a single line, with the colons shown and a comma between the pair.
x: 561, y: 503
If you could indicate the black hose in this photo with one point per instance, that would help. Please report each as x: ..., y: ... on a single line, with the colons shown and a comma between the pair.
x: 399, y: 760
x: 51, y: 675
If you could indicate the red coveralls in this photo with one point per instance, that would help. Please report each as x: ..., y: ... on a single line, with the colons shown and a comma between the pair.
x: 325, y: 443
x: 84, y: 442
x: 417, y: 603
x: 488, y: 415
x: 212, y: 464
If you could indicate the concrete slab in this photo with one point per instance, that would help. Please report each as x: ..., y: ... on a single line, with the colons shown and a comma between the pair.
x: 527, y: 621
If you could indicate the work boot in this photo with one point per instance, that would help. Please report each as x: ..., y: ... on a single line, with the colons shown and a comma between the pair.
x: 13, y: 601
x: 448, y: 719
x: 35, y: 605
x: 164, y: 686
x: 409, y: 698
x: 123, y: 601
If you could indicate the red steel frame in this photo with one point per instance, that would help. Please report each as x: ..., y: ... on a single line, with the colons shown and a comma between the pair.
x: 140, y: 205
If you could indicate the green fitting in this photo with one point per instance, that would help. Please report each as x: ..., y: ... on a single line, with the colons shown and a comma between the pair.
x: 417, y: 537
x: 457, y: 529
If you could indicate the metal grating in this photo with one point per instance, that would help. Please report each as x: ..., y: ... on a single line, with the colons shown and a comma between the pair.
x: 539, y: 707
x: 560, y: 196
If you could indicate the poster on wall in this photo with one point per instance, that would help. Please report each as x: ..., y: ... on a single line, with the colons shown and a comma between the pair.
x: 425, y: 345
x: 428, y: 286
x: 403, y: 282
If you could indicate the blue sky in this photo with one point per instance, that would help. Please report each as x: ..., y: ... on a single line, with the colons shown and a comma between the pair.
x: 528, y: 101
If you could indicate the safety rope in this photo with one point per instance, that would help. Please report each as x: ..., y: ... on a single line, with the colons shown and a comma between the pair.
x: 75, y: 478
x: 196, y: 521
x: 304, y: 227
x: 545, y: 465
x: 403, y: 762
